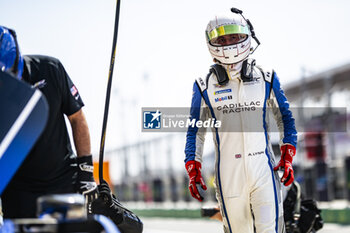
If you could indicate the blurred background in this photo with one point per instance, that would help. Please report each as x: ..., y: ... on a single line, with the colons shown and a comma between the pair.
x: 161, y: 50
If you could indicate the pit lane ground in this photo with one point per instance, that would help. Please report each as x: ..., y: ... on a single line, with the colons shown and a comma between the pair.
x: 179, y: 225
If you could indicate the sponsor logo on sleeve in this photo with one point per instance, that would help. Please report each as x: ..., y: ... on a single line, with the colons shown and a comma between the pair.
x: 201, y: 82
x: 73, y: 90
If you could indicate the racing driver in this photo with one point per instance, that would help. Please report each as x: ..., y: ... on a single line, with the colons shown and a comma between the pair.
x: 241, y: 95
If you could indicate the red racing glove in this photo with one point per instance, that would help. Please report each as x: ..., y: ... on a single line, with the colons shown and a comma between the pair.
x: 287, y: 153
x: 194, y: 173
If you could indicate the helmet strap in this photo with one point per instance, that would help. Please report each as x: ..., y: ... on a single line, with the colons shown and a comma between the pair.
x: 220, y: 74
x: 247, y: 70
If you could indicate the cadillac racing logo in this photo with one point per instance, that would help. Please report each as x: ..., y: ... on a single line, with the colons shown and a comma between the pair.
x: 239, y: 107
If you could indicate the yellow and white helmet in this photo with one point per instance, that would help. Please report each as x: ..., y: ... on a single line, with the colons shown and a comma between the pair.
x: 228, y: 39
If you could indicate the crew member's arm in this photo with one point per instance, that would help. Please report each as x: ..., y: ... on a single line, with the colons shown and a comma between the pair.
x: 194, y: 143
x: 81, y: 133
x: 288, y: 133
x: 85, y: 181
x: 72, y: 107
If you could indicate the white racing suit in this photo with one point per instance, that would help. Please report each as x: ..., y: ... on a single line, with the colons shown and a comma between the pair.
x: 247, y: 188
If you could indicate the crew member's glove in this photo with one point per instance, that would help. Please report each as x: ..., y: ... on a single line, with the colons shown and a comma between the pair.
x: 194, y: 172
x: 287, y: 153
x: 86, y: 184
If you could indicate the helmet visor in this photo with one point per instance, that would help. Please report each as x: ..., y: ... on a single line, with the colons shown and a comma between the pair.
x: 227, y: 30
x: 227, y: 40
